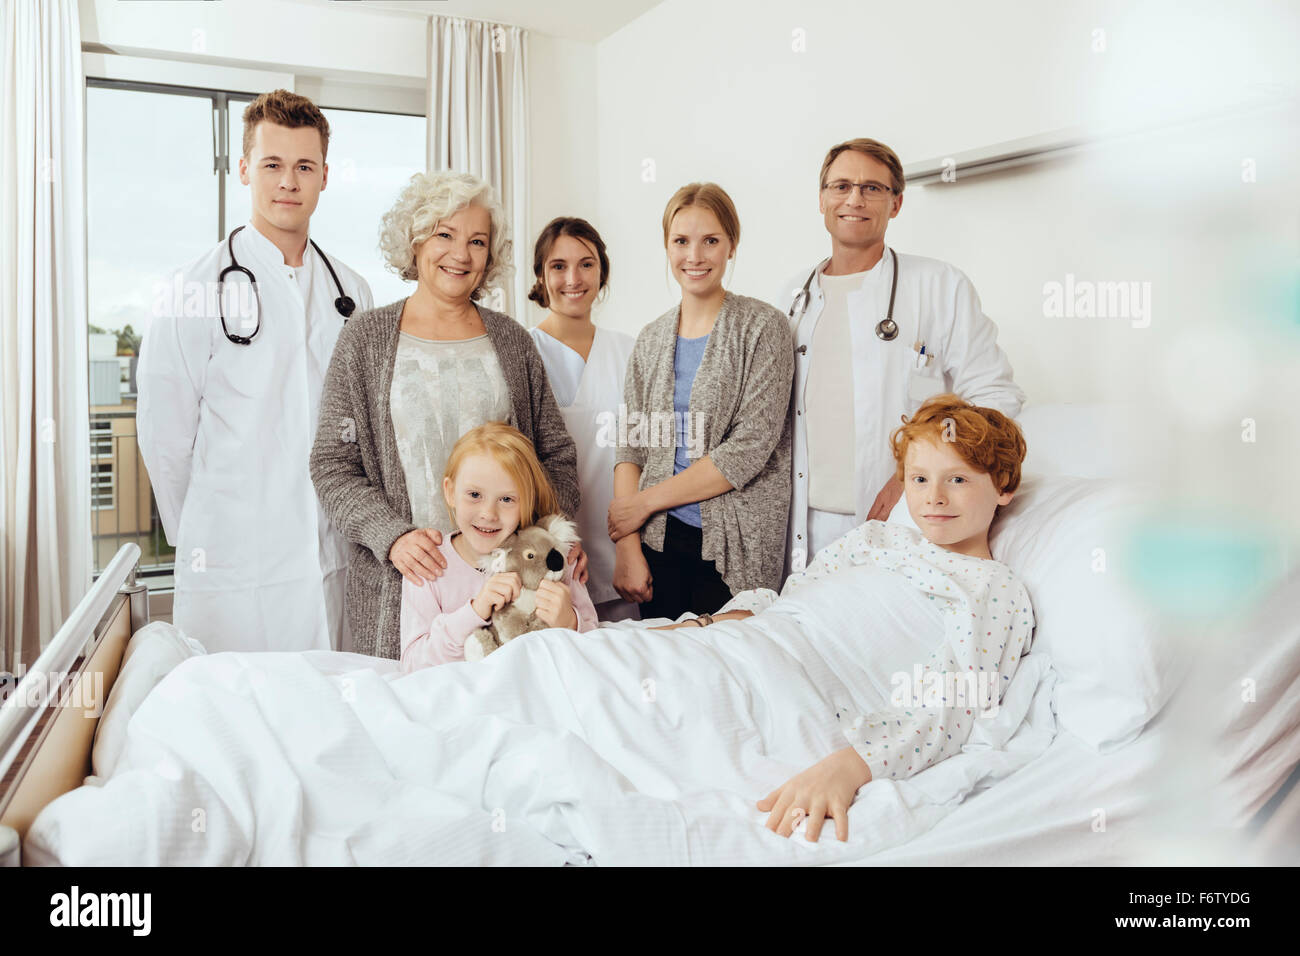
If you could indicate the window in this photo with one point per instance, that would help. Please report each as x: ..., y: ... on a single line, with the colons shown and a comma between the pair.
x: 101, y: 439
x: 160, y: 197
x: 101, y: 486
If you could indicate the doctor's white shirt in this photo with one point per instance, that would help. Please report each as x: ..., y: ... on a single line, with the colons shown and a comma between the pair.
x: 935, y: 306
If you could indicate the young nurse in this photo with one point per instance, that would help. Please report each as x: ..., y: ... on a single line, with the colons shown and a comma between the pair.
x: 493, y: 485
x: 585, y: 366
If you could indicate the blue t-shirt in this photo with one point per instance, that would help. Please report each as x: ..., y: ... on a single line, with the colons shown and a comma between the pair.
x: 686, y: 362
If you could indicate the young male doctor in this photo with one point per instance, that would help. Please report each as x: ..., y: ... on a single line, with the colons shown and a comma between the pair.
x: 228, y: 394
x: 876, y: 332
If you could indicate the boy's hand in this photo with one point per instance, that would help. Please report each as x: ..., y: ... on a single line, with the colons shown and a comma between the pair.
x: 555, y: 605
x: 498, y: 591
x: 827, y: 788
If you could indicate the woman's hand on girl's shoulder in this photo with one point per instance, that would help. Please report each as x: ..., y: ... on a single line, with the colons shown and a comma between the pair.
x: 578, y: 558
x: 416, y: 555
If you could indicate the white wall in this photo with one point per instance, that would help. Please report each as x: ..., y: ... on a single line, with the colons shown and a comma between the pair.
x: 562, y: 100
x: 719, y: 91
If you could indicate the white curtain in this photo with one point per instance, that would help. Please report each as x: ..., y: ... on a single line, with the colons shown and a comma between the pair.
x: 45, y: 561
x: 478, y: 123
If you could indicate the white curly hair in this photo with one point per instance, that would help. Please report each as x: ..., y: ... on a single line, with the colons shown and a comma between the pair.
x: 428, y: 199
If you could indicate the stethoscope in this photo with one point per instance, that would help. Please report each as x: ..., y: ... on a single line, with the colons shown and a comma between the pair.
x: 343, y: 303
x: 886, y: 328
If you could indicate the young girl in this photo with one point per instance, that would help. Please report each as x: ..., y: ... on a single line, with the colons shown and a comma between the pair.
x: 493, y: 485
x: 586, y: 366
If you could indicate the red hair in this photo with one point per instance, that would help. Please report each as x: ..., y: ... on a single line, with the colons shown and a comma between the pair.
x: 515, y: 454
x: 987, y: 440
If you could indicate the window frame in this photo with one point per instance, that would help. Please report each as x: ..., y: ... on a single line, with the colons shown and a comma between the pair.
x: 220, y: 100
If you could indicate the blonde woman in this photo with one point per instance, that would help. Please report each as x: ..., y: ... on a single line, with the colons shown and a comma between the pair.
x: 700, y: 514
x: 407, y: 380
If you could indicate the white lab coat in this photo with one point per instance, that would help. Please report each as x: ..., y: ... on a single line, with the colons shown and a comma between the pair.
x: 936, y: 305
x: 592, y: 420
x: 225, y: 431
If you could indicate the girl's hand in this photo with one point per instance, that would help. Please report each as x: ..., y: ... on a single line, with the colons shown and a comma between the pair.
x: 578, y: 558
x: 498, y: 591
x: 416, y: 555
x: 631, y: 572
x: 827, y: 788
x: 626, y: 515
x: 555, y: 605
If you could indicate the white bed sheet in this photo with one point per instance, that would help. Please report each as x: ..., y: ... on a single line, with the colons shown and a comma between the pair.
x: 263, y: 759
x: 1044, y: 813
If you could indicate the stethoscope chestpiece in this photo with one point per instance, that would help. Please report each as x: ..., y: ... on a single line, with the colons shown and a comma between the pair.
x: 886, y: 328
x: 345, y: 306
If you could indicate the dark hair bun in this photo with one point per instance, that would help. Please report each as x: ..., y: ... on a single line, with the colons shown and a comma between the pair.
x: 538, y: 293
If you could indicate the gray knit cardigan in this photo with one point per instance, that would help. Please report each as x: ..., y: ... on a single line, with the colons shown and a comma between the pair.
x: 741, y: 403
x: 358, y: 474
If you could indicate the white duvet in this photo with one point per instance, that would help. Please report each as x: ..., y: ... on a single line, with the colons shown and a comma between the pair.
x: 621, y: 746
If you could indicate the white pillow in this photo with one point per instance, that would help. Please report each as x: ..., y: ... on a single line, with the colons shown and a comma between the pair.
x: 150, y: 655
x: 1083, y: 440
x: 1066, y: 539
x: 1115, y: 671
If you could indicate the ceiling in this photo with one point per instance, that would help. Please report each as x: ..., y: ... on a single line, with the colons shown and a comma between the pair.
x: 585, y: 20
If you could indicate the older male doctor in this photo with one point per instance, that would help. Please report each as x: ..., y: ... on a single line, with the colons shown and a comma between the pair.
x: 229, y: 391
x: 876, y: 332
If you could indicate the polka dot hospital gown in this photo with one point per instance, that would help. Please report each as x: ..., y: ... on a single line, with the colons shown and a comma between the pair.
x: 988, y: 625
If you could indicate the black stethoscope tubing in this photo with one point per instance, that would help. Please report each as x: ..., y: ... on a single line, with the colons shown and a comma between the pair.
x: 343, y: 303
x: 886, y: 328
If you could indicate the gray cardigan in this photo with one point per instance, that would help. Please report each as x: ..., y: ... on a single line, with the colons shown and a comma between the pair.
x: 358, y: 474
x: 741, y: 400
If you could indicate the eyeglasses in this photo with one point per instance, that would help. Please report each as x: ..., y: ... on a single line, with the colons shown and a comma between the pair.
x: 870, y: 191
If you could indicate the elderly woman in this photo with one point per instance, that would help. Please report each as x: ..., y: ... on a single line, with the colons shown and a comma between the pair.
x: 407, y: 380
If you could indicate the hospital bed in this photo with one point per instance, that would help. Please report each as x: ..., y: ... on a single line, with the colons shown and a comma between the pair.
x: 48, y: 721
x: 1095, y: 796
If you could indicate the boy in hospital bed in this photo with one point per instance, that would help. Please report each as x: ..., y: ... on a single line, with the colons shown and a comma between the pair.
x: 958, y: 464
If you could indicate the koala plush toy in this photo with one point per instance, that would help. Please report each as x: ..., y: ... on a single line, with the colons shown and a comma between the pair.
x: 537, y: 553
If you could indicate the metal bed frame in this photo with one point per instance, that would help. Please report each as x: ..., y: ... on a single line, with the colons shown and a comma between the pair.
x: 48, y: 722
